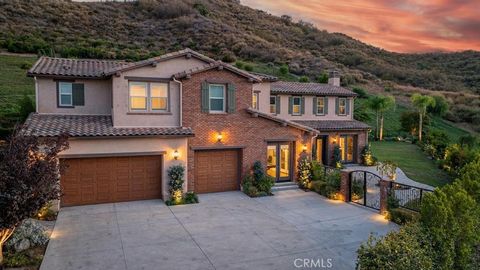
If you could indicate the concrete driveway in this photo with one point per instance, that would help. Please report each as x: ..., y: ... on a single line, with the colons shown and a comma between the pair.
x: 229, y: 230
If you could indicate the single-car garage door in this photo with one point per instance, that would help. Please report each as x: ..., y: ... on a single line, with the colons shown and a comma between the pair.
x: 111, y: 179
x: 216, y: 171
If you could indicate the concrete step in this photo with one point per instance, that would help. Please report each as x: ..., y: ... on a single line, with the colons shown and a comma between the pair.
x: 284, y: 186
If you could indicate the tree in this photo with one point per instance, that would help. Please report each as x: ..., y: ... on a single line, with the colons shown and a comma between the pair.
x: 284, y: 70
x: 440, y: 108
x: 422, y: 102
x: 28, y: 179
x: 379, y: 104
x: 409, y: 122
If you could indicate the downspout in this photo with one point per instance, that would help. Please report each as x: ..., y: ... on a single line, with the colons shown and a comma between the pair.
x: 181, y: 93
x: 36, y: 94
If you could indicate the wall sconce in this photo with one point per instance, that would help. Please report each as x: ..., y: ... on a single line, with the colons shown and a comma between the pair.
x: 304, y: 148
x: 176, y: 154
x: 219, y: 137
x: 334, y: 140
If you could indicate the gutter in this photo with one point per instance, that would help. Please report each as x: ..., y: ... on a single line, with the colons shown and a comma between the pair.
x: 181, y: 99
x: 36, y: 94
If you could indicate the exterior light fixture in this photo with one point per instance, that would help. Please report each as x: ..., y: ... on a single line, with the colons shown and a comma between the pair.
x: 219, y: 137
x: 304, y: 148
x: 176, y: 154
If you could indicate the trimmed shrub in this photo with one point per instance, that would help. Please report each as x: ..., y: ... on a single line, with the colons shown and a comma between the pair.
x: 30, y: 233
x: 257, y: 183
x: 191, y: 197
x: 304, y: 171
x: 403, y: 216
x: 318, y: 186
x: 317, y: 171
x: 304, y: 79
x: 406, y: 249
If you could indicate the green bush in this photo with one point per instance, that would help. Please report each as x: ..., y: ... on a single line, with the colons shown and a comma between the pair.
x: 435, y: 144
x: 362, y: 93
x: 357, y: 190
x: 367, y: 156
x: 284, y: 70
x: 317, y: 171
x: 406, y: 249
x: 322, y: 78
x: 252, y: 191
x: 191, y: 197
x: 318, y: 186
x: 257, y: 183
x: 248, y: 67
x: 304, y: 168
x: 21, y: 259
x: 333, y: 182
x: 403, y: 216
x: 265, y: 184
x: 304, y: 79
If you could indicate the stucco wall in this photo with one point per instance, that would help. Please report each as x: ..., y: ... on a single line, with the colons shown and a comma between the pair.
x: 264, y: 96
x: 309, y: 115
x: 333, y: 139
x: 98, y: 97
x: 122, y: 117
x: 135, y: 145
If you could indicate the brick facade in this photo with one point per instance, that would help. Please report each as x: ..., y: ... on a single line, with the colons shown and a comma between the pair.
x: 239, y: 129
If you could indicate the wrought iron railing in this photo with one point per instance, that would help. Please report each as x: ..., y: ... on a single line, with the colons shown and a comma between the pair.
x: 409, y: 197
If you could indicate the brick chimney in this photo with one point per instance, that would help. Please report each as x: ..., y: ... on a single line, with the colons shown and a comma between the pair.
x: 334, y: 78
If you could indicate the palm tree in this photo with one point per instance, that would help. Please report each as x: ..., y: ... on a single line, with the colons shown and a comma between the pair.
x: 379, y: 104
x: 422, y: 102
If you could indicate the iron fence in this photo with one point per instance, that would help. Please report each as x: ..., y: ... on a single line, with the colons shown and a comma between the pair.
x: 409, y: 197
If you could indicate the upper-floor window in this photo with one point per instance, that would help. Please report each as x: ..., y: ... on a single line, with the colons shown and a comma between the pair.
x: 216, y: 98
x: 70, y: 94
x: 297, y: 105
x: 273, y: 104
x: 342, y: 106
x: 320, y: 106
x: 65, y: 94
x: 147, y: 96
x: 255, y: 100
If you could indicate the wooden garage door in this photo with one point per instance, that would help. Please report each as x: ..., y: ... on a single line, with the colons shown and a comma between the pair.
x: 216, y: 171
x: 111, y: 179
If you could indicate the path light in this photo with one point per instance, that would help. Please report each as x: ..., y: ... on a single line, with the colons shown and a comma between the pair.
x: 219, y: 137
x: 176, y: 154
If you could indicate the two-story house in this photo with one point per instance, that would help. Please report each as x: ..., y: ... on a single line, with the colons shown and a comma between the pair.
x: 129, y: 122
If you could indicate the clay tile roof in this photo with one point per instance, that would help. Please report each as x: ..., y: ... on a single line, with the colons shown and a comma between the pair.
x: 88, y: 68
x: 216, y: 64
x: 299, y: 88
x: 47, y: 125
x: 265, y: 77
x: 323, y: 125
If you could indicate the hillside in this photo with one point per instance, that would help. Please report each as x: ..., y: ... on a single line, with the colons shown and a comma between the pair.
x: 227, y: 30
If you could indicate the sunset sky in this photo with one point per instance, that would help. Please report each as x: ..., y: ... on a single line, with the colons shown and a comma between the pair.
x: 395, y: 25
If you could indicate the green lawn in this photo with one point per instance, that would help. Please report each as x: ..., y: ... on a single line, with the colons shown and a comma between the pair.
x: 14, y: 83
x: 412, y: 161
x: 392, y: 124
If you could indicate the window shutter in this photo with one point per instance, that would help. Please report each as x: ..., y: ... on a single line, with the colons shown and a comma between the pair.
x: 78, y: 94
x: 277, y: 103
x: 325, y: 104
x: 302, y: 107
x: 315, y: 105
x: 348, y: 106
x: 336, y: 106
x: 290, y: 105
x: 205, y: 97
x: 231, y: 98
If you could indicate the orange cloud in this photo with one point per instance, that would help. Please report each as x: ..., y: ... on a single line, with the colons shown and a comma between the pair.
x: 401, y: 26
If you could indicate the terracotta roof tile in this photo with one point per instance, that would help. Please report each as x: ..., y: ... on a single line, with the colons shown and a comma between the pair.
x: 323, y: 125
x: 299, y: 88
x: 281, y: 120
x: 89, y: 68
x: 46, y: 125
x: 216, y: 64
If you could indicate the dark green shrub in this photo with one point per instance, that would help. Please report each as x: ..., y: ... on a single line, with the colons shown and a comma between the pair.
x: 408, y: 248
x: 435, y: 144
x: 318, y: 171
x: 362, y: 93
x: 239, y: 64
x: 403, y: 216
x: 322, y: 78
x: 25, y: 65
x: 318, y: 186
x: 468, y: 141
x: 304, y: 79
x: 248, y: 67
x: 392, y: 202
x: 191, y: 197
x: 175, y: 184
x: 333, y: 181
x: 357, y: 190
x: 265, y: 184
x: 27, y: 106
x: 337, y: 156
x: 367, y: 156
x: 21, y: 259
x: 258, y: 172
x: 252, y: 191
x: 201, y: 8
x: 441, y: 106
x: 456, y: 157
x: 284, y: 70
x: 257, y: 183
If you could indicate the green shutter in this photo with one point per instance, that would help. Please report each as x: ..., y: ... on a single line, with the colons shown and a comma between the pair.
x: 315, y: 105
x: 204, y: 97
x: 78, y: 94
x: 336, y: 106
x: 302, y: 106
x: 347, y: 101
x: 325, y: 104
x: 290, y: 105
x: 277, y: 103
x: 231, y: 98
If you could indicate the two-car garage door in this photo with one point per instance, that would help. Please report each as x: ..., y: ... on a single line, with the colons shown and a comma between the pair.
x: 111, y: 179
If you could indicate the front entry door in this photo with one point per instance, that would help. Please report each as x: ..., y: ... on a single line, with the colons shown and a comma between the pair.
x: 279, y: 161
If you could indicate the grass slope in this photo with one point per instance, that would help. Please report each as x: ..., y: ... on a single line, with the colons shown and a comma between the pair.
x: 392, y: 125
x: 14, y: 83
x: 412, y: 161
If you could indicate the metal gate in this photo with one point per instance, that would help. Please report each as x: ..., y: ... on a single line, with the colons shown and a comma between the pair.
x: 365, y: 189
